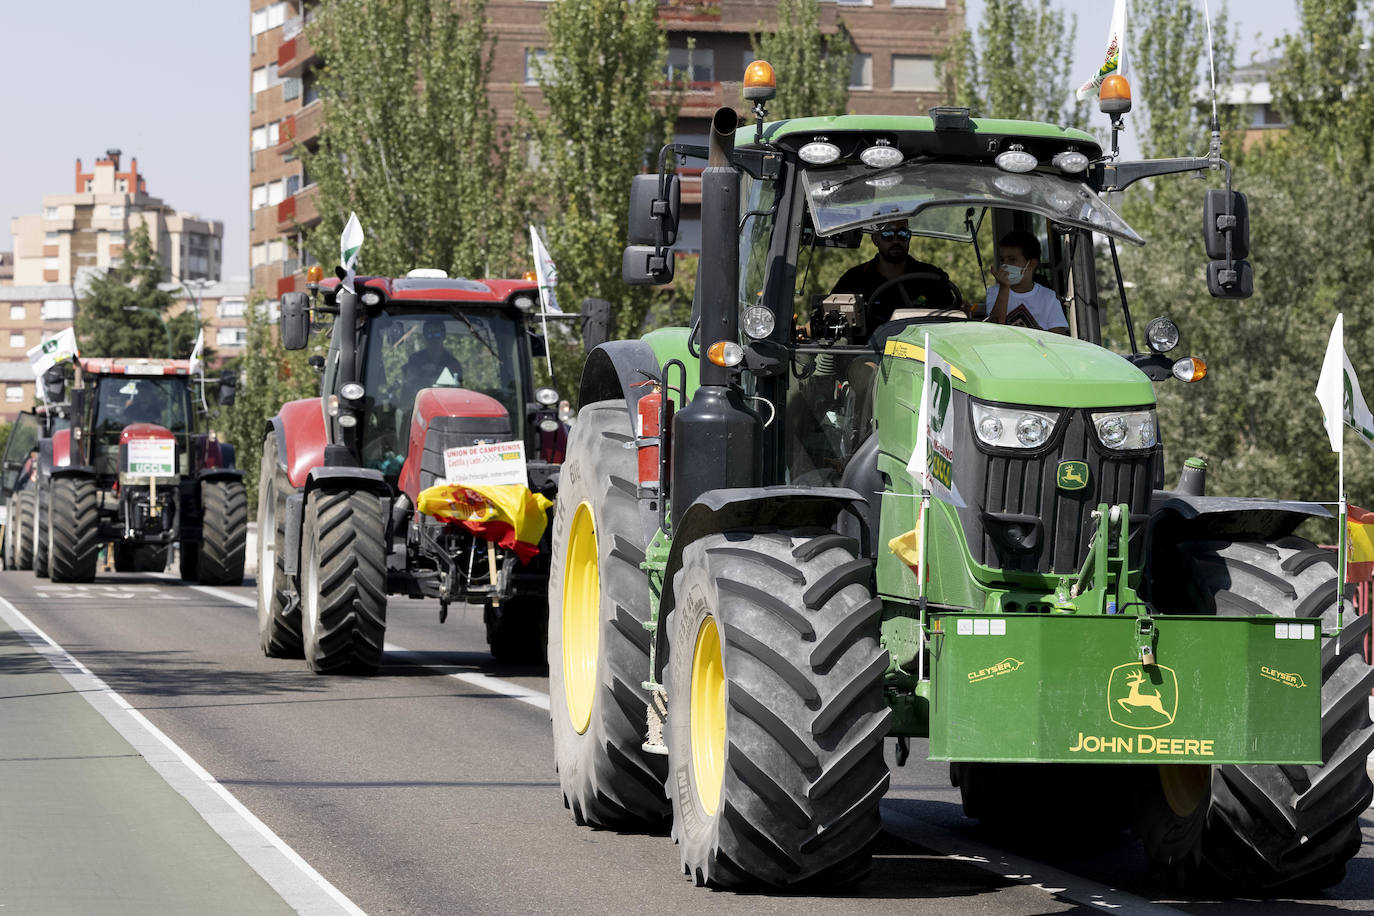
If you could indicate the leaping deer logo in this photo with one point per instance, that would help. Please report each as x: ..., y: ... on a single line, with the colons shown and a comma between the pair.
x: 1133, y: 709
x: 1073, y: 475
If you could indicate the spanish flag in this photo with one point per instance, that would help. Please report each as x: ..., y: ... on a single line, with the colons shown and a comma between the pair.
x: 1359, y: 544
x: 510, y: 514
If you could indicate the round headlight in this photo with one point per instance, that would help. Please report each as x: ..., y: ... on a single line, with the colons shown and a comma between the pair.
x: 990, y: 430
x: 348, y: 421
x: 1012, y: 185
x: 881, y: 156
x: 758, y: 322
x: 352, y: 391
x: 1070, y: 162
x: 371, y: 297
x: 1032, y: 430
x: 1161, y: 334
x: 524, y: 303
x: 1112, y: 430
x: 819, y: 152
x: 549, y: 426
x: 546, y: 396
x: 1015, y: 159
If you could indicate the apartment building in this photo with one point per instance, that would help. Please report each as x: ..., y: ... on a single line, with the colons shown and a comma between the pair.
x: 894, y: 72
x: 87, y: 228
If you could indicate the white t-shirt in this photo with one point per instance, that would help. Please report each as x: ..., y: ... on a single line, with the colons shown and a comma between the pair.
x: 1038, y: 308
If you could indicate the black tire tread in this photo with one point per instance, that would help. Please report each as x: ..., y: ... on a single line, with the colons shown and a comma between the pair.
x: 73, y: 530
x: 23, y: 545
x: 347, y: 530
x: 224, y: 532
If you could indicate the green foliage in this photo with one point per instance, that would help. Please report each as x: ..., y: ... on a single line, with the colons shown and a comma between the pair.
x: 122, y: 313
x: 1019, y: 64
x: 408, y: 139
x: 813, y: 67
x: 1169, y: 52
x: 606, y: 113
x: 269, y: 376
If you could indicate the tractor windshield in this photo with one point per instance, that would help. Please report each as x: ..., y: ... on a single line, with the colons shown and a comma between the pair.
x: 934, y: 198
x: 123, y: 399
x: 406, y: 352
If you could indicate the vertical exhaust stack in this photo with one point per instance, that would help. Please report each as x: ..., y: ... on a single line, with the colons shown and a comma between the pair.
x: 716, y: 438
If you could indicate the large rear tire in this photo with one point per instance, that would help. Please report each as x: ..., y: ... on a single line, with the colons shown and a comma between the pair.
x: 343, y: 581
x: 1268, y: 829
x: 776, y: 716
x: 40, y: 534
x: 598, y: 647
x: 278, y: 631
x: 23, y: 530
x: 223, y: 533
x: 73, y: 530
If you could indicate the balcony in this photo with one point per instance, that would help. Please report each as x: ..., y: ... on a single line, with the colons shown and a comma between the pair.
x: 299, y: 211
x: 286, y: 285
x: 741, y: 17
x: 295, y: 54
x: 689, y: 10
x: 303, y: 127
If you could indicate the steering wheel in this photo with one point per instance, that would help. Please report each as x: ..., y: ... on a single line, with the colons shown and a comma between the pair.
x: 920, y: 275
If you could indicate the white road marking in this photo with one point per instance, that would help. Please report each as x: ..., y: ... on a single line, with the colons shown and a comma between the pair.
x: 298, y: 884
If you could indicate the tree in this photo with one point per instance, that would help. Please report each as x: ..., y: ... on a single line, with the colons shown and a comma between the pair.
x: 815, y: 67
x: 606, y: 112
x: 408, y: 138
x: 1019, y: 65
x: 1170, y: 54
x: 123, y: 312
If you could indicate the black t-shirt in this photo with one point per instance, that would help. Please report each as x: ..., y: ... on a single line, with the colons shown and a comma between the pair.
x: 920, y: 292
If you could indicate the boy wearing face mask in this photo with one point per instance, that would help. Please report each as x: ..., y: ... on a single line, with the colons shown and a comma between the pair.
x: 1017, y: 299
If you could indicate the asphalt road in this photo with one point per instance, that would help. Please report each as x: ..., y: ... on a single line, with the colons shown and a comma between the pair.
x: 152, y: 760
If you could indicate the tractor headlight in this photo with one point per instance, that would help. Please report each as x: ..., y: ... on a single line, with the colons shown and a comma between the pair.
x: 1012, y: 427
x: 1126, y: 430
x: 1161, y: 334
x: 758, y: 322
x: 352, y: 391
x: 546, y: 397
x: 371, y: 297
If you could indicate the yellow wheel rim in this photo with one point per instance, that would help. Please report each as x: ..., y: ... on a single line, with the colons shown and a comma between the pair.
x: 1185, y: 786
x: 708, y: 716
x: 581, y: 617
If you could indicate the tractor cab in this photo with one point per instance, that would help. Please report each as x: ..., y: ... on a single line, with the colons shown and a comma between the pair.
x: 136, y: 400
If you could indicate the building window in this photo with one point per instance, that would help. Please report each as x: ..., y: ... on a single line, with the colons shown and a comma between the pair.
x: 920, y: 4
x: 535, y: 59
x: 693, y: 65
x: 259, y: 254
x: 231, y: 337
x: 274, y: 133
x: 50, y: 264
x: 260, y: 79
x: 50, y: 213
x: 116, y: 238
x: 276, y: 250
x: 861, y: 72
x: 293, y: 184
x: 276, y: 190
x: 290, y: 89
x: 231, y: 307
x: 17, y: 340
x: 58, y: 310
x: 50, y: 236
x: 14, y: 393
x: 259, y: 138
x: 259, y: 197
x: 269, y: 17
x: 914, y: 73
x: 16, y: 313
x: 116, y: 211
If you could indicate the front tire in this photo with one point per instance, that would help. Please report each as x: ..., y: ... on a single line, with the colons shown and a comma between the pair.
x: 278, y: 631
x: 776, y: 716
x: 343, y: 581
x: 1269, y: 829
x: 23, y: 530
x: 224, y: 532
x: 73, y: 530
x: 598, y: 647
x: 40, y: 534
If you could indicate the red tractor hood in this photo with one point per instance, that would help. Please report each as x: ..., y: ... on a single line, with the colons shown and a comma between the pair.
x: 144, y: 431
x: 440, y: 402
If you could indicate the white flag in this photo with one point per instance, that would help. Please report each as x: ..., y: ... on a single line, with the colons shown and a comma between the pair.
x: 197, y: 350
x: 918, y: 467
x: 349, y: 244
x: 932, y: 462
x: 61, y: 346
x: 1338, y: 392
x: 545, y: 274
x: 1114, y: 57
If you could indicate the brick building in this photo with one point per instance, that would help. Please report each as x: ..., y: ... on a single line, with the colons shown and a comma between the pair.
x: 897, y: 42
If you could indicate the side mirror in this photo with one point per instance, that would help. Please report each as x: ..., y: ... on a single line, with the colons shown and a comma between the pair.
x: 1217, y: 223
x: 1234, y: 280
x: 645, y: 265
x: 295, y: 320
x: 653, y: 219
x: 228, y: 387
x: 596, y: 323
x: 54, y: 385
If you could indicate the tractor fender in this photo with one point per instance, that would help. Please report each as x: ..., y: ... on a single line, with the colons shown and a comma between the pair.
x: 301, y: 438
x: 612, y: 371
x: 318, y: 478
x: 748, y: 507
x: 219, y: 474
x: 1175, y: 516
x: 54, y: 452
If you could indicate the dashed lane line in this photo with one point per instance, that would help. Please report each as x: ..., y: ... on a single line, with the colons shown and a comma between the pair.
x: 294, y: 879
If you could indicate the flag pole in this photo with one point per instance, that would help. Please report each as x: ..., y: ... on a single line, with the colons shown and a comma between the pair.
x: 1342, y: 547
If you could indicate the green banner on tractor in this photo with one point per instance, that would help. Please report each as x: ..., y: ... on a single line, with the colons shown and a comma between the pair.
x: 1122, y: 689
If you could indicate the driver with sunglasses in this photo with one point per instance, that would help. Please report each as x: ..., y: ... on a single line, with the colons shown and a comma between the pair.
x: 921, y: 285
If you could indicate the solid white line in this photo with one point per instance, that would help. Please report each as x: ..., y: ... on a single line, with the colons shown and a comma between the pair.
x: 485, y: 681
x: 298, y: 884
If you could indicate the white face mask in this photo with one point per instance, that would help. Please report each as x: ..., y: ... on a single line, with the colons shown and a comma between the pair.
x: 1014, y: 273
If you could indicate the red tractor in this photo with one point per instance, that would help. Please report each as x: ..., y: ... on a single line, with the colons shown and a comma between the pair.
x: 134, y: 471
x: 417, y: 366
x: 18, y: 472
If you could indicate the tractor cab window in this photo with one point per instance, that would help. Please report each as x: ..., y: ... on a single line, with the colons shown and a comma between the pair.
x: 124, y: 399
x: 23, y: 440
x: 405, y: 353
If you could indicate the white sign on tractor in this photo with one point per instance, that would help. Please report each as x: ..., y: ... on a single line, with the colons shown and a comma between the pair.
x: 151, y: 457
x: 490, y: 463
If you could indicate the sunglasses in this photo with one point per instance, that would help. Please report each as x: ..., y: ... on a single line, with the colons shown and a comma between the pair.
x: 888, y: 235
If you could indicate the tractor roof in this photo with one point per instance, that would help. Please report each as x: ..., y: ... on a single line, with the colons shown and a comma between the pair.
x: 429, y: 289
x: 122, y: 365
x: 978, y: 139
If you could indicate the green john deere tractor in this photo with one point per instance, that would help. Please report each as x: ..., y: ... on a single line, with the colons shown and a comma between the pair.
x: 737, y: 622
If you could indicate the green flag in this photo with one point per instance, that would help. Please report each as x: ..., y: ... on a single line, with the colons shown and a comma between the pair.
x: 349, y: 245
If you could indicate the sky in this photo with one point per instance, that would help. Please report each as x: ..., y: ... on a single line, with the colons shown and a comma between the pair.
x: 167, y: 81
